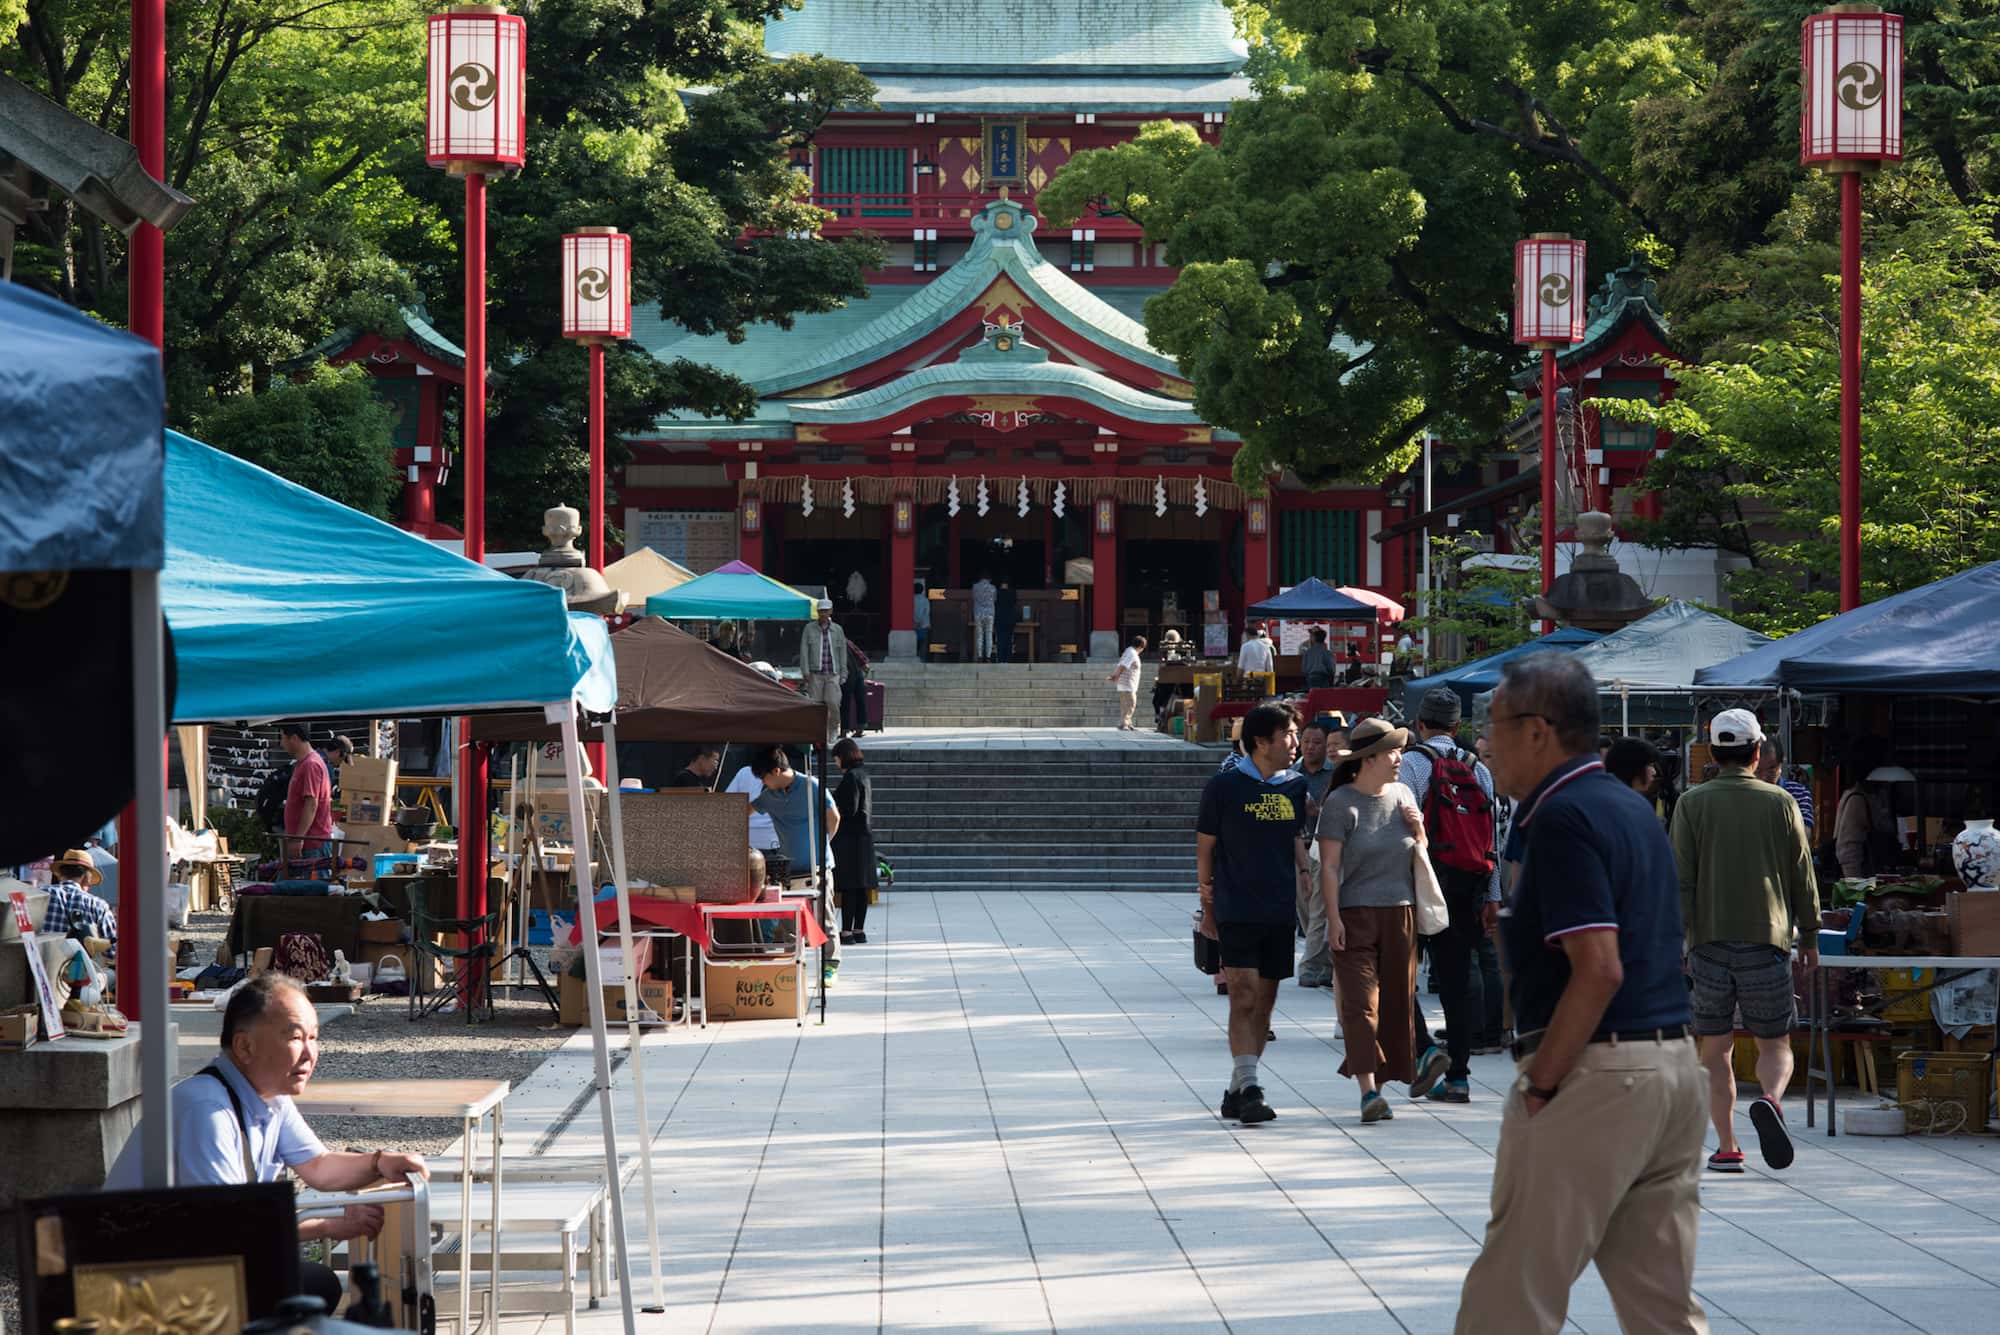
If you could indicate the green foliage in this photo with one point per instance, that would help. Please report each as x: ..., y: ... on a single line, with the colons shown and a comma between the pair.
x: 1347, y: 247
x: 297, y: 128
x: 1761, y: 434
x: 327, y: 432
x: 1474, y: 611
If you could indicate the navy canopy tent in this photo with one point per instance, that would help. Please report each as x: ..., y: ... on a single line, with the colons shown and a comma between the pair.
x: 1936, y: 640
x: 1313, y: 600
x: 1483, y: 674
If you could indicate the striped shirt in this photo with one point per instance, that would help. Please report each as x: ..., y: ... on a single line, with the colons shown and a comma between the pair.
x: 1803, y: 796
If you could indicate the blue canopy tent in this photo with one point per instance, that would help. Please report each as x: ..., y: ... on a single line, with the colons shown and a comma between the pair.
x: 285, y: 604
x: 1313, y: 600
x: 1936, y: 640
x: 732, y: 595
x: 81, y: 517
x: 1483, y: 674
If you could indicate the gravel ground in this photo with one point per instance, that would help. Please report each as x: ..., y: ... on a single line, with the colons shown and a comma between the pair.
x: 379, y: 1042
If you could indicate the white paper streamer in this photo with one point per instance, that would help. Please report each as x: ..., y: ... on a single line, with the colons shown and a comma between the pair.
x: 806, y: 497
x: 1061, y: 493
x: 1160, y: 497
x: 951, y: 497
x: 1200, y: 496
x: 1023, y: 498
x: 982, y: 496
x: 847, y: 497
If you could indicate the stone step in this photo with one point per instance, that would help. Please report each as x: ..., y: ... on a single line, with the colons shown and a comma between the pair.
x: 1072, y: 887
x: 891, y: 840
x: 1083, y: 802
x: 1002, y: 865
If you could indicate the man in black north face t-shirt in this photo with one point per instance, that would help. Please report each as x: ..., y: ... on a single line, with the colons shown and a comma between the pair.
x: 1251, y: 855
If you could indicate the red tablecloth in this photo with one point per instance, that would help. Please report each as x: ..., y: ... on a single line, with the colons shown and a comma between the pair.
x: 691, y: 920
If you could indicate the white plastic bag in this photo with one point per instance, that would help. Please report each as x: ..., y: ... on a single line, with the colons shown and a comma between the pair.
x: 1432, y: 915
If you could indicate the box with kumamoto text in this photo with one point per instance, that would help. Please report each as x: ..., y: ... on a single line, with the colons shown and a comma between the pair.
x: 753, y: 991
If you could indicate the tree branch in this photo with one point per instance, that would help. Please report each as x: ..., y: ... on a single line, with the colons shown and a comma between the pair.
x: 1443, y: 320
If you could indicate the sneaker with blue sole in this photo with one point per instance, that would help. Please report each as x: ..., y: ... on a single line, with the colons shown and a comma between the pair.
x: 1452, y: 1091
x: 1430, y: 1069
x: 1375, y: 1108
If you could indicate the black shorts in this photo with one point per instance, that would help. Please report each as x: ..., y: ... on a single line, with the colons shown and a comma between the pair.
x: 1263, y: 946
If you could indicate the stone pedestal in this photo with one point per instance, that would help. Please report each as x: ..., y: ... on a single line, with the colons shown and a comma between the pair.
x: 903, y: 646
x: 66, y: 1110
x: 1104, y: 646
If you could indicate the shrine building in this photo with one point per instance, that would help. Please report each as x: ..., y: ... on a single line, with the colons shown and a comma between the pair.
x: 993, y: 408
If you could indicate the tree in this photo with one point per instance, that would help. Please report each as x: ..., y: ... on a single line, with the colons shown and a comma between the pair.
x: 1346, y: 248
x: 327, y: 432
x: 1764, y: 430
x: 1475, y: 610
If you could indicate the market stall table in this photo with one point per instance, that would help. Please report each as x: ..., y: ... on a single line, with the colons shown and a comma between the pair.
x: 470, y: 1101
x: 1820, y: 1026
x: 260, y: 920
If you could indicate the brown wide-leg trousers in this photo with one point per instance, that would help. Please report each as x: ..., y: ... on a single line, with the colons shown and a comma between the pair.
x: 1375, y: 981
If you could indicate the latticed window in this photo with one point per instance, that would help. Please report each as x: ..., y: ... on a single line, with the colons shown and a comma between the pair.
x: 1322, y: 543
x: 1616, y: 435
x: 865, y: 182
x: 1083, y: 250
x: 924, y: 250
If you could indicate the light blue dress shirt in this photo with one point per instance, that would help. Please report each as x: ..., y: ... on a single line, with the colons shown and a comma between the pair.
x: 208, y: 1144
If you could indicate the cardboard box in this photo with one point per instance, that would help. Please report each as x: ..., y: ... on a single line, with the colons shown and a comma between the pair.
x: 655, y: 995
x: 753, y: 991
x: 367, y: 793
x: 20, y: 1027
x: 1975, y: 921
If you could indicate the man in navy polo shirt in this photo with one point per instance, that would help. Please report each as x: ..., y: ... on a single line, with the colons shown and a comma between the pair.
x: 1250, y: 850
x: 1608, y: 1073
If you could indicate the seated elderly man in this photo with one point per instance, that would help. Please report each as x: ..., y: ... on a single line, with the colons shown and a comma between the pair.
x: 234, y: 1121
x: 71, y: 904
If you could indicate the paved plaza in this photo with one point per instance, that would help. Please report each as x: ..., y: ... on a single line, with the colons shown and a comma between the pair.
x: 1008, y: 1123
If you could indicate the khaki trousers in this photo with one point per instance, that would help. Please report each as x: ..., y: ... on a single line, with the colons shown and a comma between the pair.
x: 825, y: 688
x: 1316, y: 961
x: 1607, y: 1172
x: 1128, y: 701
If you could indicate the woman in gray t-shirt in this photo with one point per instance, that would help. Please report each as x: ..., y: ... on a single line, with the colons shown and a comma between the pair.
x: 1370, y: 835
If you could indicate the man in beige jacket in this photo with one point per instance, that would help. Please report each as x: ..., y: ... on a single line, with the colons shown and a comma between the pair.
x: 823, y: 661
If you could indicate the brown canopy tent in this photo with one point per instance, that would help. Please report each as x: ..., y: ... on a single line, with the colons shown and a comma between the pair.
x: 674, y: 688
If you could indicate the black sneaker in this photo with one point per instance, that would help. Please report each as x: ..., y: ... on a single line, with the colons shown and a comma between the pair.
x: 861, y: 938
x: 1251, y: 1106
x: 1232, y: 1104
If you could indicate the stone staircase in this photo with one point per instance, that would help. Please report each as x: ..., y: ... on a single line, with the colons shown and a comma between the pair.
x: 1004, y: 695
x: 1090, y: 818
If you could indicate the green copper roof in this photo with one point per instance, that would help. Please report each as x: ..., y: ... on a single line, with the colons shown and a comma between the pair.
x: 766, y: 350
x: 1059, y: 37
x: 417, y: 328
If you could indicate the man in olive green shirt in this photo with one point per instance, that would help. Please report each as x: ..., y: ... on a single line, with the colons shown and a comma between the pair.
x: 1746, y: 887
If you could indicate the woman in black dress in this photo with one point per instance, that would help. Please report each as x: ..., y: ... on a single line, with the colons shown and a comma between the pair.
x: 854, y: 872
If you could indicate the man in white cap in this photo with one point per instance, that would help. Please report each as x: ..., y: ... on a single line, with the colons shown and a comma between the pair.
x: 823, y: 661
x: 1746, y: 887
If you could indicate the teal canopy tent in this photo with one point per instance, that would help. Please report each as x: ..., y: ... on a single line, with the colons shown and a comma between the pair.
x: 732, y: 595
x: 1482, y: 674
x: 285, y: 604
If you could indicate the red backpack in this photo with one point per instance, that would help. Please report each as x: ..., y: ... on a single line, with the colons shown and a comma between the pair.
x: 1458, y: 815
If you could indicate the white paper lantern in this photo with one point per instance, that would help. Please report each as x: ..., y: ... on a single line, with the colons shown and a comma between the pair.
x: 1549, y: 290
x: 597, y: 284
x: 1852, y: 108
x: 476, y: 113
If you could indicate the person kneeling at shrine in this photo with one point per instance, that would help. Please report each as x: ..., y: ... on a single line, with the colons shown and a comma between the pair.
x: 234, y: 1122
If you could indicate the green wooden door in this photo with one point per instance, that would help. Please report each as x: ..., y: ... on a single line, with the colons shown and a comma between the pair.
x: 1323, y: 543
x: 850, y: 177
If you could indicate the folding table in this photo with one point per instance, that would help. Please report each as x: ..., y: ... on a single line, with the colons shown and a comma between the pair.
x: 1819, y: 1036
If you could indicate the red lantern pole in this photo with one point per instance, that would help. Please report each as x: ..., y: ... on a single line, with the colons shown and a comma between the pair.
x: 1548, y: 476
x: 472, y: 857
x: 146, y: 316
x: 596, y: 456
x: 1850, y: 390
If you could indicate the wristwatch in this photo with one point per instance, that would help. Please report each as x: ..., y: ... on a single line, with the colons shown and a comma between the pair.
x: 1535, y: 1091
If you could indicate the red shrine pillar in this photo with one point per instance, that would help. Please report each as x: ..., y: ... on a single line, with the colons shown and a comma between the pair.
x: 903, y: 578
x: 1104, y: 646
x: 1256, y: 550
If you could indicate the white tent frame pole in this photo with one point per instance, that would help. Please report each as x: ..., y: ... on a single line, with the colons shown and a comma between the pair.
x: 613, y: 800
x: 145, y: 876
x: 593, y: 983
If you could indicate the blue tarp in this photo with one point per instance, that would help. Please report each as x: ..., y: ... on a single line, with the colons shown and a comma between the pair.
x: 1483, y: 674
x: 285, y: 604
x: 80, y: 419
x: 731, y: 595
x: 1313, y: 600
x: 1936, y: 640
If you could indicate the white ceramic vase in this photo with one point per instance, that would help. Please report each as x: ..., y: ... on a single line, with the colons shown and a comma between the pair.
x: 1976, y: 855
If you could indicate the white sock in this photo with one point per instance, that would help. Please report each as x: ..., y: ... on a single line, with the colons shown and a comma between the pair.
x: 1244, y: 1075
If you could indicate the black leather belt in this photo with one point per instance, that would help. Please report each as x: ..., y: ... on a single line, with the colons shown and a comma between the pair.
x: 1524, y: 1046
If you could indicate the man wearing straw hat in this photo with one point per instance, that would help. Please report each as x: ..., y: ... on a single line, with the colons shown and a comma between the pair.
x: 71, y: 904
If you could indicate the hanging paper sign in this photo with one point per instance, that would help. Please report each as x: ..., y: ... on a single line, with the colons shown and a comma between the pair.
x: 45, y: 993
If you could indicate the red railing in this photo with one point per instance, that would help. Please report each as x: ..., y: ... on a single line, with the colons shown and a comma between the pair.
x: 854, y: 209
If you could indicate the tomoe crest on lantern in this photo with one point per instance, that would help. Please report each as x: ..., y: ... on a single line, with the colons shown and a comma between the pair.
x: 1548, y: 290
x: 476, y: 115
x: 597, y: 284
x: 1851, y: 61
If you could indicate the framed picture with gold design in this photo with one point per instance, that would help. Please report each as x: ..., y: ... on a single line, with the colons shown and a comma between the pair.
x: 183, y: 1261
x: 1004, y: 146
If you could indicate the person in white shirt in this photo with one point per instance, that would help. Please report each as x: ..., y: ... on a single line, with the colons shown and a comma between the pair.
x: 763, y: 834
x: 1255, y: 655
x: 1124, y: 679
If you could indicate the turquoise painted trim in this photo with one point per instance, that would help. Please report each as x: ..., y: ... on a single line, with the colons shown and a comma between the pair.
x: 1066, y: 36
x: 997, y: 93
x: 994, y: 378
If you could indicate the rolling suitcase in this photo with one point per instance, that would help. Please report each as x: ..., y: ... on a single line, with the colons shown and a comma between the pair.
x: 872, y: 722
